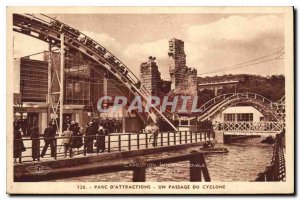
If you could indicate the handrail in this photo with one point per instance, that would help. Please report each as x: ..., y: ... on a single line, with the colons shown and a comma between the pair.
x: 262, y: 126
x: 276, y: 171
x: 109, y: 143
x: 281, y: 101
x: 234, y: 95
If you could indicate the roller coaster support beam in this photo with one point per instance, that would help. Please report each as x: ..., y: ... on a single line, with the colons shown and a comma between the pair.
x: 62, y: 71
x: 49, y: 82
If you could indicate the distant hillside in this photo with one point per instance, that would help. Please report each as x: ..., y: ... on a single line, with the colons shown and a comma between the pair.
x: 271, y: 87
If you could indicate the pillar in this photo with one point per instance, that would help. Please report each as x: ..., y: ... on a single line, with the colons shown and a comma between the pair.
x: 216, y: 91
x: 77, y: 117
x: 62, y: 71
x: 123, y: 120
x: 105, y: 86
x: 17, y: 71
x: 49, y: 83
x: 45, y: 121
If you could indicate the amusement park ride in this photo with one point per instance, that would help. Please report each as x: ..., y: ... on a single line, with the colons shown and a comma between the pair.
x: 68, y: 39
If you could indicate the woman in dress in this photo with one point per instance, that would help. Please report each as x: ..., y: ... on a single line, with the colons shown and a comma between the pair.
x: 77, y: 137
x: 18, y: 143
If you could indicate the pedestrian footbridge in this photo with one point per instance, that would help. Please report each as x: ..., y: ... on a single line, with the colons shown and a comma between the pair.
x: 272, y: 111
x: 251, y: 128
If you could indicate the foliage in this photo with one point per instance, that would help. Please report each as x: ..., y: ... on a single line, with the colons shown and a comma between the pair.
x: 271, y: 87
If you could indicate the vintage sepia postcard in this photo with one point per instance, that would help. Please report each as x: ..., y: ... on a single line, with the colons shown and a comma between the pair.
x: 150, y: 100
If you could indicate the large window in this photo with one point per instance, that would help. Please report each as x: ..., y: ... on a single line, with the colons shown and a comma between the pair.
x: 33, y: 80
x: 229, y: 117
x: 77, y: 92
x: 184, y: 121
x: 245, y: 117
x: 77, y: 83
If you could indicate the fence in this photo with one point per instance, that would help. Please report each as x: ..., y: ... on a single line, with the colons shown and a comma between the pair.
x: 276, y: 171
x: 244, y: 126
x: 196, y: 160
x: 111, y: 143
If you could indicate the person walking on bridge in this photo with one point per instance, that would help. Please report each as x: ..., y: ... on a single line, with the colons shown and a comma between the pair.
x: 77, y: 137
x: 154, y: 130
x: 49, y: 139
x: 67, y: 134
x: 90, y: 134
x: 34, y: 135
x: 18, y: 144
x: 100, y: 143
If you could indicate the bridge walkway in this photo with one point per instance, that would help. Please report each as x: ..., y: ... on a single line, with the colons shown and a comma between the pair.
x: 117, y: 142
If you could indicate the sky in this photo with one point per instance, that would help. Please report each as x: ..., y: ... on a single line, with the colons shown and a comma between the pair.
x: 212, y: 41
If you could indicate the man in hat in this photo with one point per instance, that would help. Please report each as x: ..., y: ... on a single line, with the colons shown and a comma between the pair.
x: 154, y: 130
x: 49, y: 139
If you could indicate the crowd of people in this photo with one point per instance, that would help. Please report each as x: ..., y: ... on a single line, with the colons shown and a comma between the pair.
x: 110, y: 125
x: 71, y: 137
x: 49, y: 139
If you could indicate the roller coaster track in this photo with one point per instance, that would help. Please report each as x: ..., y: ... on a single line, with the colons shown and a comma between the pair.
x: 49, y: 30
x: 216, y: 105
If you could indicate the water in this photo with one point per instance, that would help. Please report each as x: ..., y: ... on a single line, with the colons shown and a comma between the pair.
x: 243, y: 162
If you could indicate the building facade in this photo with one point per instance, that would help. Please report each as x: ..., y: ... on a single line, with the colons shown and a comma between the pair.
x: 30, y: 93
x: 239, y: 113
x: 36, y: 88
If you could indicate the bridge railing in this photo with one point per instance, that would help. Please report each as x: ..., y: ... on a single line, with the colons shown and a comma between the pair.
x: 244, y: 126
x: 27, y: 149
x: 276, y: 171
x: 229, y: 96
